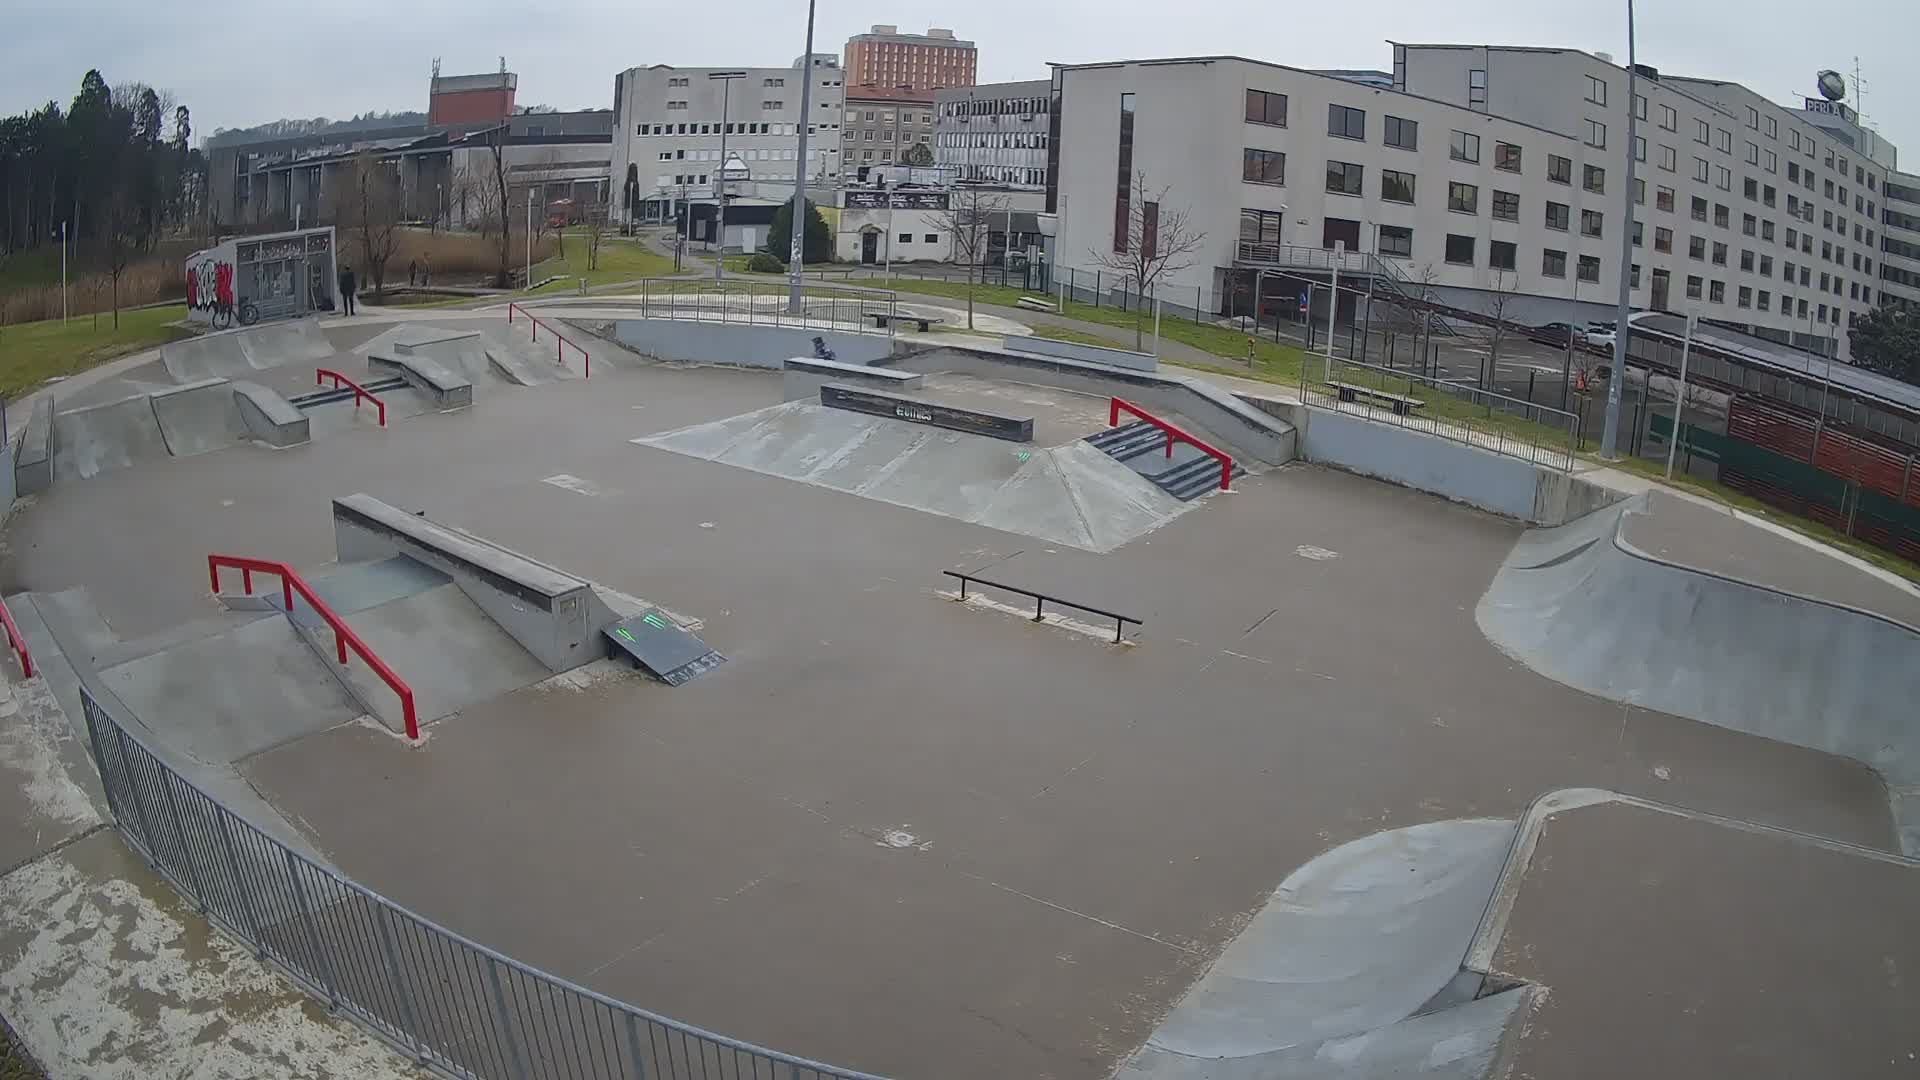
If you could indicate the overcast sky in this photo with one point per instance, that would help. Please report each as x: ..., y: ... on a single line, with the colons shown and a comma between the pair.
x: 241, y: 62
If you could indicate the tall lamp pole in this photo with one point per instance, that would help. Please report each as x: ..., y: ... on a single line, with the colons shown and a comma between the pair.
x: 1609, y: 435
x: 798, y: 221
x: 725, y: 79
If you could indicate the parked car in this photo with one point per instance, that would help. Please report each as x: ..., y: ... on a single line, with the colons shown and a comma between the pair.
x: 1555, y: 334
x: 1599, y: 335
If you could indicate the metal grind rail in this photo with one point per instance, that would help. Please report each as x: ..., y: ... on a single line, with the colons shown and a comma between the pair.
x: 320, y: 377
x: 1041, y: 600
x: 561, y: 342
x: 343, y: 635
x: 1226, y: 462
x: 17, y: 642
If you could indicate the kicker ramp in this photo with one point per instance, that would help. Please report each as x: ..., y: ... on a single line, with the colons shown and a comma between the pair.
x: 113, y: 435
x: 1584, y: 607
x: 242, y: 352
x: 199, y: 418
x: 555, y: 616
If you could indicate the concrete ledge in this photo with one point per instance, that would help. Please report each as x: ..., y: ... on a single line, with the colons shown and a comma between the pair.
x: 741, y: 344
x: 553, y: 615
x: 269, y: 417
x: 33, y: 469
x: 449, y: 390
x: 1073, y: 350
x: 803, y: 376
x: 1241, y: 427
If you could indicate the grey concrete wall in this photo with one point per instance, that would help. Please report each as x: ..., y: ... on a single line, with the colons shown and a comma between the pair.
x: 269, y: 417
x: 33, y: 471
x: 742, y: 344
x: 7, y: 481
x: 802, y: 377
x: 449, y: 390
x: 1073, y: 350
x: 1236, y: 426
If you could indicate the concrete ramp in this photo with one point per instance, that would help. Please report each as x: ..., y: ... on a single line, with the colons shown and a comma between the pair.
x: 508, y: 350
x: 230, y: 353
x: 227, y: 696
x: 1351, y: 944
x: 294, y: 341
x: 1581, y: 605
x: 1071, y: 494
x: 115, y: 435
x: 200, y: 417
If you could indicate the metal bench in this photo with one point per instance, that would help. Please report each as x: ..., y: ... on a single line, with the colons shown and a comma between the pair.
x: 1034, y: 303
x: 924, y: 322
x: 1401, y: 404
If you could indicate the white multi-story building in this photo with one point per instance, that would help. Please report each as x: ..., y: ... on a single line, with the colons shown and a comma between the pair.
x: 1492, y: 176
x: 667, y: 130
x: 996, y: 133
x: 1900, y: 241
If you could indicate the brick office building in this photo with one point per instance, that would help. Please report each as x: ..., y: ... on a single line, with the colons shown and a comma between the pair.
x: 886, y: 57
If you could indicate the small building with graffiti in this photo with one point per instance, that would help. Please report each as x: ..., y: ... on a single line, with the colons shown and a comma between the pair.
x: 274, y: 276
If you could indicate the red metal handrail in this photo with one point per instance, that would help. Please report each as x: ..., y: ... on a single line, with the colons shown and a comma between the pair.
x: 562, y: 341
x: 1226, y: 463
x: 343, y: 635
x: 321, y: 375
x: 18, y: 641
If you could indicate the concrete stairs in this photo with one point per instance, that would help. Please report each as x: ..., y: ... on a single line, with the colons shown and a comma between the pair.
x: 1186, y: 475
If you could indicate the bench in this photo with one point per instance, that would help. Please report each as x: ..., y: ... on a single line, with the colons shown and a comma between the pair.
x: 924, y: 322
x: 1401, y: 404
x: 1034, y: 303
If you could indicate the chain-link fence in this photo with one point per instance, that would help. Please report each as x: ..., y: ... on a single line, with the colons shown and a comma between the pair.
x: 454, y: 1005
x: 1481, y: 418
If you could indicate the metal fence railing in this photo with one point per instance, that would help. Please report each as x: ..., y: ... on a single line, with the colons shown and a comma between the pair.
x: 1505, y: 425
x: 454, y: 1005
x: 849, y: 308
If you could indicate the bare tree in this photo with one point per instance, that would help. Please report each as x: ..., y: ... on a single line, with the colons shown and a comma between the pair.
x: 1423, y: 282
x: 1159, y: 240
x: 367, y: 203
x: 481, y: 184
x: 595, y: 225
x: 1497, y: 305
x: 968, y: 221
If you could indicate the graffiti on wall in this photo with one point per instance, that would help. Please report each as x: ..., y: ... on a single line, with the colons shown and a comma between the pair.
x: 209, y: 285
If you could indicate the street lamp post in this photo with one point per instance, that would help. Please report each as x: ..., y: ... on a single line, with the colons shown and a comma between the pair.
x: 798, y: 222
x: 725, y: 79
x: 1609, y: 436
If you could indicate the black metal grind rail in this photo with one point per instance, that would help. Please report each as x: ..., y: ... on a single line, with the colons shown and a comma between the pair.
x: 1041, y: 600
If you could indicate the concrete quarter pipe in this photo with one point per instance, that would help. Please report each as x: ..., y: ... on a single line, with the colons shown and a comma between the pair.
x: 1582, y: 605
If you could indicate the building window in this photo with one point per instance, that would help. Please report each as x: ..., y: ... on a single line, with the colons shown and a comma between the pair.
x: 1501, y: 255
x: 1344, y: 178
x: 1773, y: 162
x: 1463, y: 147
x: 1404, y: 134
x: 1773, y: 128
x: 1793, y: 172
x: 1506, y: 206
x: 1744, y: 298
x: 1669, y: 119
x: 1594, y: 179
x: 1559, y: 169
x: 1668, y: 158
x: 1662, y: 239
x: 1506, y: 157
x: 1589, y: 268
x: 1590, y: 222
x: 1767, y: 195
x: 1596, y: 90
x: 1264, y: 167
x: 1639, y: 232
x: 1459, y: 249
x: 1633, y: 276
x: 1346, y: 123
x: 1719, y: 253
x: 1463, y: 198
x: 1723, y: 178
x: 1716, y: 292
x: 1721, y: 215
x: 1766, y: 266
x: 1750, y: 187
x: 1699, y: 211
x: 1723, y: 140
x: 1753, y: 154
x: 1764, y: 301
x: 1639, y: 192
x: 1557, y: 216
x: 1123, y: 187
x: 1695, y: 285
x: 1477, y: 90
x: 1701, y: 170
x: 1697, y: 248
x: 1396, y: 186
x: 1701, y: 132
x: 1261, y: 226
x: 1639, y: 148
x: 1553, y: 263
x: 1663, y: 199
x: 1397, y: 241
x: 1266, y: 108
x: 1596, y: 134
x: 931, y: 238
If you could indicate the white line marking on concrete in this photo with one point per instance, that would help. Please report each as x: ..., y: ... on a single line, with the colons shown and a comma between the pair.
x: 1318, y: 554
x: 975, y: 600
x: 1080, y: 914
x: 569, y: 482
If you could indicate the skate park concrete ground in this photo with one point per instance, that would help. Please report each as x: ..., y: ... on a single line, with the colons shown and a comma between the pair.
x: 895, y: 832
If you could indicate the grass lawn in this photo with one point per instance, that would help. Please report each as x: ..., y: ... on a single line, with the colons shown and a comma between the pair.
x: 32, y: 353
x: 428, y: 300
x: 1068, y: 333
x: 621, y: 259
x: 1720, y: 493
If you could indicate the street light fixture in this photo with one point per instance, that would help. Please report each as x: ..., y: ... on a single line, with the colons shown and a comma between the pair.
x: 725, y: 79
x: 1610, y: 436
x: 798, y: 222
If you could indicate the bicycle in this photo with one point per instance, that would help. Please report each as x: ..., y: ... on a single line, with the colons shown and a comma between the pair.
x: 224, y: 312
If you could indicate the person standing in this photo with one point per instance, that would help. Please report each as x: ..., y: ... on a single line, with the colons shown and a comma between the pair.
x: 413, y: 271
x: 426, y: 270
x: 346, y: 289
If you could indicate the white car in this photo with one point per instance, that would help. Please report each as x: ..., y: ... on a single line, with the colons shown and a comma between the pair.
x: 1599, y: 335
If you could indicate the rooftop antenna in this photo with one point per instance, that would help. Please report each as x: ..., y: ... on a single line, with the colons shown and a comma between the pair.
x: 436, y: 67
x: 503, y: 65
x: 1860, y: 88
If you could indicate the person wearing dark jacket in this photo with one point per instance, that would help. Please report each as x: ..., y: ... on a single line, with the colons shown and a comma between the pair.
x: 346, y: 289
